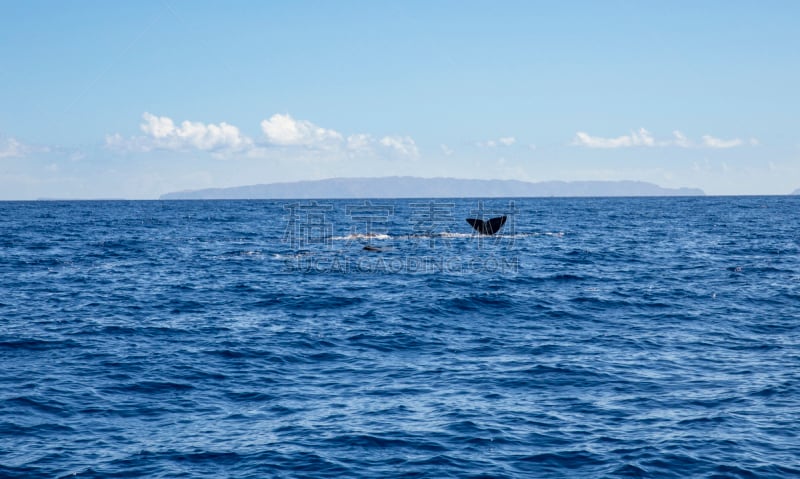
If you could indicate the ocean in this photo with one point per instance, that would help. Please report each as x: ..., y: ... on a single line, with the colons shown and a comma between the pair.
x: 591, y: 337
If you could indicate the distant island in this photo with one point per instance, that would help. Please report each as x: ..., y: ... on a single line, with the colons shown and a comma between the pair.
x: 796, y: 192
x: 414, y: 187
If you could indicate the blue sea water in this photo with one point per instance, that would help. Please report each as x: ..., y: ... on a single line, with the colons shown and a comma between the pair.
x: 627, y: 337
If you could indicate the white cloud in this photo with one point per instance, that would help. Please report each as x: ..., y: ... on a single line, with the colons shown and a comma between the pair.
x: 118, y: 142
x: 299, y: 139
x: 502, y: 141
x: 192, y: 134
x: 643, y: 138
x: 640, y: 138
x: 446, y: 150
x: 359, y: 142
x: 681, y: 140
x: 162, y: 134
x: 11, y: 148
x: 157, y: 126
x: 283, y: 130
x: 402, y: 145
x: 711, y: 142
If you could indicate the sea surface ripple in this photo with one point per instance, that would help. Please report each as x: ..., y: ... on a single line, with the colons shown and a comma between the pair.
x: 628, y: 337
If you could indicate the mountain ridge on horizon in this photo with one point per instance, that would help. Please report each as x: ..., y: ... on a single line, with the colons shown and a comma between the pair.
x: 438, y: 187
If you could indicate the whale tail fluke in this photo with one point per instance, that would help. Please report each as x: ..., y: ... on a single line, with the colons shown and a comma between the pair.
x: 488, y: 227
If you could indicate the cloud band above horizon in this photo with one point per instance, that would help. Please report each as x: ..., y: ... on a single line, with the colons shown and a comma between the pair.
x: 643, y: 138
x: 279, y: 131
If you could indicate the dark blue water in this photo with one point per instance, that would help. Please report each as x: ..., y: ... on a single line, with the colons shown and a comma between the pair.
x: 251, y: 339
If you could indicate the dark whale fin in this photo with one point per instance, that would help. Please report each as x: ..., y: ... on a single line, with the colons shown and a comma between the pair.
x: 488, y: 227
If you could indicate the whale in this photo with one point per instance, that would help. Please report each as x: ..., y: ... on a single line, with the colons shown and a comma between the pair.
x: 488, y: 227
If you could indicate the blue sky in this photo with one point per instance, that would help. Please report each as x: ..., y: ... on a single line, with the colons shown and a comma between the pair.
x: 110, y: 99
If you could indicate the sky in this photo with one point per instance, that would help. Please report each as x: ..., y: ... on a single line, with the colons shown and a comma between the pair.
x: 132, y: 100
